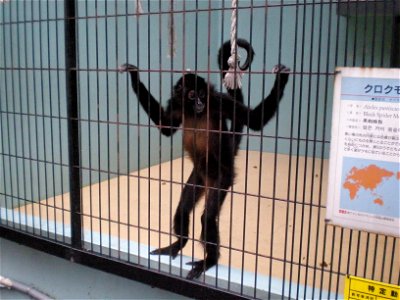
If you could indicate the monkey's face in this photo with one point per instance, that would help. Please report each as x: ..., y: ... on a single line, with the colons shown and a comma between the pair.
x: 193, y: 90
x: 196, y: 98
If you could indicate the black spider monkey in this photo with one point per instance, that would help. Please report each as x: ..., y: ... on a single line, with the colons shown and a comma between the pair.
x: 202, y: 112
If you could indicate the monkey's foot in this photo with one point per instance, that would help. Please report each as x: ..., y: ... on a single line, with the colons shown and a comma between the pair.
x: 199, y: 267
x: 280, y: 69
x: 171, y: 250
x: 127, y: 68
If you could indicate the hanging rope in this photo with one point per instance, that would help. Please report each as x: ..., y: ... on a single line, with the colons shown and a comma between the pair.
x: 171, y: 33
x: 139, y: 8
x: 233, y: 77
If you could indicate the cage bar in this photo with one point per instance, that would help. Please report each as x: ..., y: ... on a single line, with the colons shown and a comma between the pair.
x: 88, y: 176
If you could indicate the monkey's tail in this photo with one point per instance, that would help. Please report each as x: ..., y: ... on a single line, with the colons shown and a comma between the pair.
x: 225, y: 52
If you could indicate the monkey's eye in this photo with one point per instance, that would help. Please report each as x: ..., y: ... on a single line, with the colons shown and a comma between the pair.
x: 178, y: 88
x: 202, y: 94
x: 192, y: 95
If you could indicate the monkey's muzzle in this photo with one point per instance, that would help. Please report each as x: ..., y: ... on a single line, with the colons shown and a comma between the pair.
x: 198, y: 106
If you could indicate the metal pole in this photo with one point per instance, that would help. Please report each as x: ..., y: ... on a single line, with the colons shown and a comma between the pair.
x: 73, y: 124
x: 395, y: 55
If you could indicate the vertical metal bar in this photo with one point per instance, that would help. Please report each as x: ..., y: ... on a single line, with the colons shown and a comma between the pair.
x: 195, y: 70
x: 355, y: 40
x: 28, y: 100
x: 128, y: 131
x: 298, y: 154
x: 258, y: 217
x: 3, y: 134
x: 346, y: 44
x: 207, y: 158
x: 13, y: 114
x: 235, y: 139
x: 108, y: 128
x: 52, y: 140
x: 7, y: 112
x: 148, y: 131
x: 365, y: 30
x: 264, y: 64
x: 306, y: 155
x: 384, y: 19
x: 138, y: 125
x: 395, y: 55
x: 373, y: 43
x: 314, y: 150
x: 375, y: 256
x: 59, y: 123
x: 331, y: 265
x: 89, y: 133
x: 171, y: 147
x: 118, y: 135
x: 340, y: 256
x: 3, y: 155
x: 392, y: 260
x: 24, y: 157
x: 291, y: 146
x: 183, y: 149
x: 36, y: 115
x: 43, y: 120
x: 73, y: 123
x: 276, y: 141
x: 21, y: 122
x: 99, y: 141
x: 160, y: 28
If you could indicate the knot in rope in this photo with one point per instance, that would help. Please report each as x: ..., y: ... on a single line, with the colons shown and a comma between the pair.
x: 233, y: 76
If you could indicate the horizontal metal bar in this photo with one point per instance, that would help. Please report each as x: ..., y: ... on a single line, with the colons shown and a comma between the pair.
x: 180, y: 11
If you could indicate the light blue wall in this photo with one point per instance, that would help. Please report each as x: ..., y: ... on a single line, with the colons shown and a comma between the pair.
x: 33, y: 125
x: 310, y: 39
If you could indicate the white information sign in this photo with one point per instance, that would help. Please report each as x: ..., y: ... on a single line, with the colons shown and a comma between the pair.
x: 364, y: 169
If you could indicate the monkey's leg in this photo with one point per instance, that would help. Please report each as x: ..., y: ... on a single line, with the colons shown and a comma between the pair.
x: 190, y: 195
x: 209, y: 221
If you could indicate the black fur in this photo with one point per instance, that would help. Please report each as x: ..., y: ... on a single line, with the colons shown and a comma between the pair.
x: 203, y: 112
x: 223, y: 55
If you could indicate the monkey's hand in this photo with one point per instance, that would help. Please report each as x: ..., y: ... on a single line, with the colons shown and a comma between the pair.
x: 127, y: 68
x: 280, y: 69
x: 282, y: 75
x: 133, y: 70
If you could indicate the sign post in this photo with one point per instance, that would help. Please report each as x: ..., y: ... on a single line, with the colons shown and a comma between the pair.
x: 364, y: 170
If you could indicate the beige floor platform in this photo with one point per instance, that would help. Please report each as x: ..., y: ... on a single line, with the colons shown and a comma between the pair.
x: 263, y: 220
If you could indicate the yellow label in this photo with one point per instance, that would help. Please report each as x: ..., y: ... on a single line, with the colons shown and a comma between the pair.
x: 364, y: 289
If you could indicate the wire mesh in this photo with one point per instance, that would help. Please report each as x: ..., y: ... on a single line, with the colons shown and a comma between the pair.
x: 113, y: 185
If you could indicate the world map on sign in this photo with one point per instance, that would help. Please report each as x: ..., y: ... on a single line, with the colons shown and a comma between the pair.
x: 371, y: 187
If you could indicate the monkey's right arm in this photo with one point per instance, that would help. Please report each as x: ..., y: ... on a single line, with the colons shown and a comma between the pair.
x: 167, y: 120
x: 258, y: 117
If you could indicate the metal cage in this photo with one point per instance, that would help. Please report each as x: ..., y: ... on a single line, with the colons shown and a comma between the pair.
x: 86, y: 175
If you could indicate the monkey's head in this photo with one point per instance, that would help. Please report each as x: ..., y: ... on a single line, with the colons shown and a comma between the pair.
x: 193, y: 90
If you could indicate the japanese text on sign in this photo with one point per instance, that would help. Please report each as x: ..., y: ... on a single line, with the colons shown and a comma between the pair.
x: 360, y: 288
x: 364, y: 172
